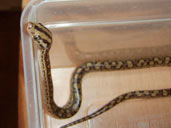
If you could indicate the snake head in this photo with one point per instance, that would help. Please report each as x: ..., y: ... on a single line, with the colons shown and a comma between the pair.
x: 40, y: 35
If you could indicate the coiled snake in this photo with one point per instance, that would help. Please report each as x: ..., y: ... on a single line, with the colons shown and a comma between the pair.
x: 42, y: 38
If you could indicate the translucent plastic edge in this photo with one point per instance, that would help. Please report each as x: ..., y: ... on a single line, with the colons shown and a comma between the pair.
x: 32, y: 100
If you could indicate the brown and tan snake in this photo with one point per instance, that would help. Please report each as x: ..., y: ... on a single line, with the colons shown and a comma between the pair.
x: 42, y: 39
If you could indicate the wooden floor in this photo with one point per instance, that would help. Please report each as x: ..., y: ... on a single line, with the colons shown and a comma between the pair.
x: 9, y: 53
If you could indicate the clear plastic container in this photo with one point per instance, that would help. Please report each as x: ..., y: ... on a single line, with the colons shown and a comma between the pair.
x: 86, y: 30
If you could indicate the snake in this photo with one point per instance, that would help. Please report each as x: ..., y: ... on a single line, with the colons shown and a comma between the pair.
x: 127, y: 96
x: 42, y: 39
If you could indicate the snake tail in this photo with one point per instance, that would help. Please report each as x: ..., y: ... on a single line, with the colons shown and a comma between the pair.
x: 127, y: 96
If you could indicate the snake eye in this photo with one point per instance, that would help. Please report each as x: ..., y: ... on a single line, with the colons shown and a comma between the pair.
x: 29, y: 25
x: 37, y: 37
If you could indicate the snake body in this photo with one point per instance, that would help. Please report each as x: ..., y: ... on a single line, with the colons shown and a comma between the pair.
x: 42, y: 38
x: 121, y: 98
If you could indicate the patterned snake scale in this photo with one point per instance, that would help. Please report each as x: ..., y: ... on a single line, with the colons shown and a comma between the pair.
x: 42, y: 38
